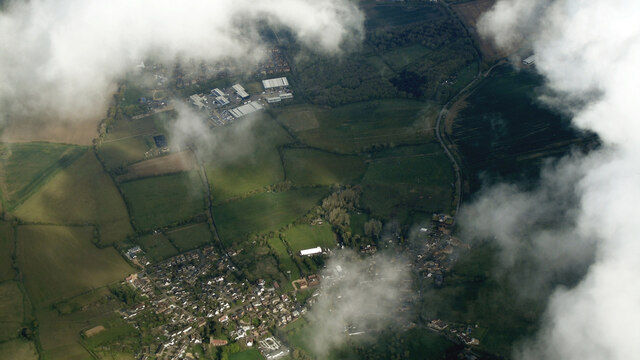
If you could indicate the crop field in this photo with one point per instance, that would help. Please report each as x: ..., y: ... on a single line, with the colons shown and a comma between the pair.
x: 10, y: 310
x: 26, y: 166
x: 388, y: 15
x: 505, y: 134
x: 305, y: 236
x: 286, y: 263
x: 6, y: 249
x: 164, y: 200
x: 190, y: 236
x: 51, y: 257
x: 312, y: 167
x: 80, y: 194
x: 157, y: 247
x: 407, y: 179
x: 236, y: 170
x: 126, y: 151
x: 264, y: 212
x: 169, y: 164
x: 18, y: 350
x: 356, y: 127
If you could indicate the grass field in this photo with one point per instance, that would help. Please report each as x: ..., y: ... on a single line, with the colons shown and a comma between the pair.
x: 164, y: 200
x: 123, y: 152
x: 115, y: 329
x: 52, y: 258
x: 287, y: 264
x: 26, y: 166
x: 401, y: 57
x: 18, y: 350
x: 190, y: 236
x: 80, y: 194
x: 6, y: 249
x: 407, y: 179
x: 251, y: 354
x: 240, y: 169
x: 357, y: 221
x: 312, y: 167
x: 10, y: 310
x: 157, y: 247
x: 305, y: 236
x: 356, y: 127
x: 168, y: 164
x: 264, y: 212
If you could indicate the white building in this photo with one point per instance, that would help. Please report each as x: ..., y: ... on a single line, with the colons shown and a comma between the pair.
x: 530, y: 60
x: 247, y: 109
x: 312, y: 251
x: 240, y: 91
x: 275, y: 83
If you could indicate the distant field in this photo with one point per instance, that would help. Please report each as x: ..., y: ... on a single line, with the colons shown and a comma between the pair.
x: 164, y: 200
x: 313, y: 167
x: 52, y: 257
x: 6, y: 249
x: 388, y: 15
x: 246, y: 164
x: 157, y: 247
x: 264, y: 212
x: 124, y: 152
x: 407, y: 179
x: 169, y: 164
x: 189, y: 237
x: 18, y: 350
x: 286, y: 263
x: 302, y: 237
x: 80, y: 194
x: 26, y: 166
x: 355, y: 127
x: 10, y: 310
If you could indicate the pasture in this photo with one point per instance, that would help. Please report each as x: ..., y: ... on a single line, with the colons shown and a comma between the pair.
x: 51, y: 258
x: 305, y: 236
x: 361, y: 126
x: 18, y: 350
x: 305, y: 167
x: 190, y: 236
x: 168, y: 164
x: 80, y: 194
x: 264, y: 212
x: 6, y: 250
x: 287, y: 265
x: 164, y: 200
x: 251, y: 354
x: 11, y: 310
x: 246, y: 158
x: 123, y: 152
x: 157, y: 247
x: 26, y: 166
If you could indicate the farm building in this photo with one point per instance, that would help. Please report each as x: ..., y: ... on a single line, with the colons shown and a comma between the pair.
x: 240, y: 91
x: 247, y: 109
x: 312, y: 251
x: 275, y: 83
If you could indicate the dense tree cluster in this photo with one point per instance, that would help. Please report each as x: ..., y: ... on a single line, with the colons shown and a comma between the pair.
x: 432, y: 34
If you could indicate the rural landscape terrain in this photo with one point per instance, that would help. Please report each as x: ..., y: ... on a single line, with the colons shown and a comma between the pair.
x: 126, y: 241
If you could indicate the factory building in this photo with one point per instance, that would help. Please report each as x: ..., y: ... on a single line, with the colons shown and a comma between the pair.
x: 222, y: 100
x: 275, y: 99
x: 217, y: 92
x: 247, y: 109
x: 275, y: 83
x: 286, y: 96
x: 240, y: 91
x: 197, y: 101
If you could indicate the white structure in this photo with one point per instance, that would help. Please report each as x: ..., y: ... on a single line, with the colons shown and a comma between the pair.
x: 286, y: 96
x: 247, y: 109
x: 312, y: 251
x: 197, y: 101
x: 275, y: 83
x: 530, y: 60
x: 275, y: 99
x: 217, y: 92
x: 222, y: 100
x: 240, y: 91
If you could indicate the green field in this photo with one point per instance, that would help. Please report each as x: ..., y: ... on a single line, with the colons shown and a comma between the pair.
x: 408, y: 179
x: 164, y: 200
x: 357, y: 223
x: 26, y: 166
x: 264, y: 212
x: 58, y: 262
x: 251, y: 354
x: 386, y: 15
x: 157, y: 247
x: 356, y: 127
x: 287, y: 265
x: 11, y: 311
x: 190, y: 237
x: 123, y: 152
x: 305, y: 236
x: 18, y: 350
x: 115, y: 329
x: 237, y: 170
x: 401, y: 57
x: 312, y: 167
x: 6, y: 250
x: 80, y: 194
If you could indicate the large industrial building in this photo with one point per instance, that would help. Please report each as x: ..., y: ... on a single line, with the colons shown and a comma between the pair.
x: 275, y: 83
x: 240, y: 91
x: 247, y: 109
